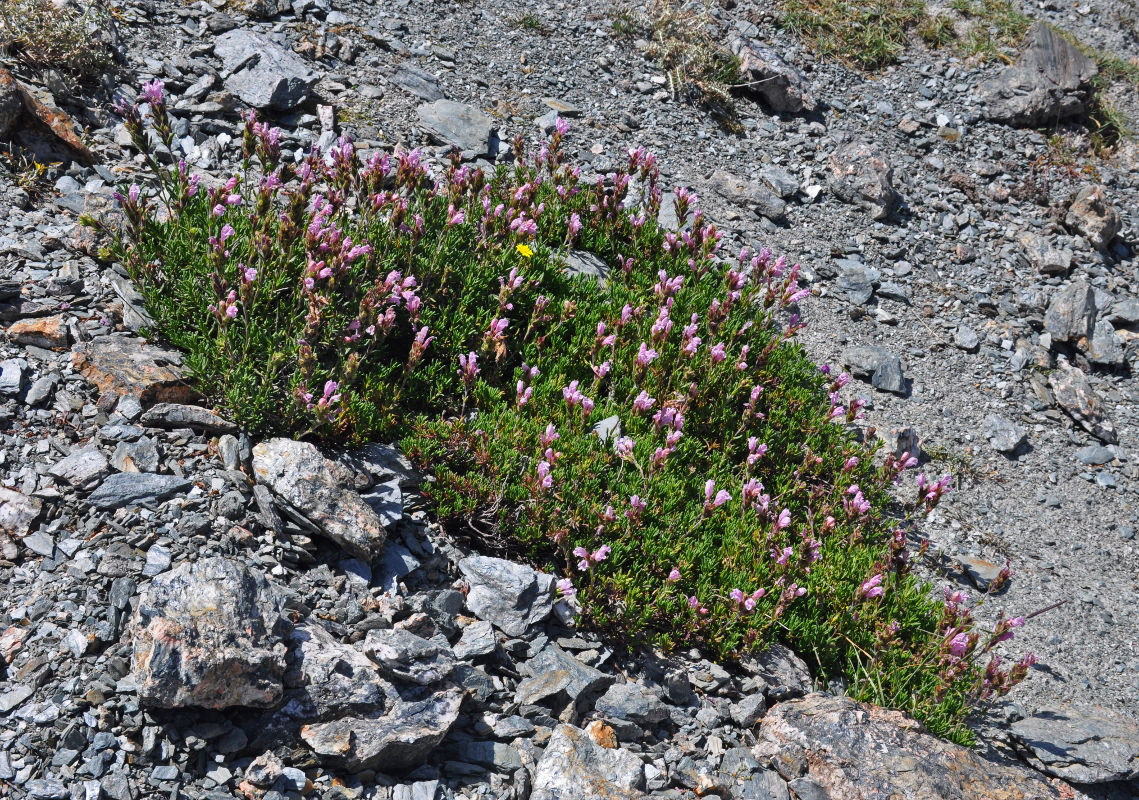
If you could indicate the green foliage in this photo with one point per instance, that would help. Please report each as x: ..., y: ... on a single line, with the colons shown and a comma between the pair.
x: 344, y: 300
x: 868, y: 34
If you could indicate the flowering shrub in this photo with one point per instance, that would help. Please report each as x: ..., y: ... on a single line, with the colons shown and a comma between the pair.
x: 657, y: 438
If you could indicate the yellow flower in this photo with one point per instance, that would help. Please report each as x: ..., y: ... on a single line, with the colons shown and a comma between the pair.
x: 525, y: 250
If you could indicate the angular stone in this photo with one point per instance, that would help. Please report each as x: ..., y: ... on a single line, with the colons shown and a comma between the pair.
x: 1043, y: 256
x: 210, y: 634
x: 127, y: 366
x: 512, y: 596
x: 966, y: 339
x: 1091, y: 215
x: 754, y: 194
x: 1104, y: 347
x: 784, y: 673
x: 417, y: 82
x: 864, y: 361
x: 461, y: 125
x: 1049, y: 81
x: 749, y: 710
x: 10, y: 103
x: 582, y: 262
x: 331, y: 679
x: 398, y: 740
x: 130, y: 488
x: 889, y: 377
x: 261, y: 72
x: 83, y: 467
x: 861, y: 174
x: 574, y: 767
x: 477, y: 640
x: 633, y: 703
x: 766, y: 75
x: 404, y: 656
x: 1004, y: 435
x: 857, y: 281
x: 554, y: 672
x: 12, y: 376
x: 1081, y: 744
x: 40, y: 104
x: 1070, y: 316
x: 1076, y: 398
x: 1125, y: 313
x: 140, y: 456
x: 303, y: 481
x: 17, y: 513
x: 49, y: 333
x: 176, y: 415
x: 41, y: 390
x: 860, y: 750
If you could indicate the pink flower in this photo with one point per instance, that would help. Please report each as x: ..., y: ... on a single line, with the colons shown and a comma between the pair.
x: 645, y: 356
x: 544, y: 479
x: 566, y: 588
x: 872, y: 587
x: 624, y: 447
x: 958, y: 645
x: 712, y: 498
x: 693, y: 602
x: 783, y: 556
x: 643, y: 402
x: 719, y: 352
x: 468, y: 368
x: 574, y: 225
x: 636, y: 506
x: 523, y: 393
x: 601, y: 553
x: 736, y: 595
x: 755, y: 450
x: 153, y: 92
x: 550, y: 435
x: 784, y: 519
x: 497, y: 328
x: 674, y: 575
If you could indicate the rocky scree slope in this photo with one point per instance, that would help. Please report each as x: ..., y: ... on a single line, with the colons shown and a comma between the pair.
x: 987, y: 300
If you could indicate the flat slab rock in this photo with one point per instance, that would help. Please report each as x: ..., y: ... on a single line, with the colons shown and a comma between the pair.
x: 511, y: 596
x: 210, y: 634
x: 262, y: 73
x: 858, y: 750
x: 304, y: 480
x: 1082, y: 744
x: 127, y: 366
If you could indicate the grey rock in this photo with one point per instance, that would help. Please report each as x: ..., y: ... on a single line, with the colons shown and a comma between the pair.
x: 40, y: 391
x: 40, y: 542
x: 863, y: 362
x: 12, y: 376
x: 397, y: 740
x: 1049, y: 81
x: 261, y: 72
x: 1081, y: 744
x: 512, y: 596
x: 131, y: 488
x: 754, y: 194
x: 1070, y: 316
x: 417, y: 82
x: 303, y: 481
x: 582, y: 262
x: 784, y: 673
x: 82, y: 468
x: 477, y: 640
x: 1124, y: 313
x: 175, y: 415
x: 209, y: 634
x: 129, y: 367
x: 395, y: 563
x: 889, y: 377
x: 574, y: 767
x: 386, y: 499
x: 1004, y: 435
x: 807, y: 789
x: 11, y: 105
x: 229, y: 451
x: 1094, y: 455
x: 554, y: 672
x: 329, y: 679
x: 633, y: 703
x: 1091, y: 215
x: 14, y: 696
x: 494, y: 755
x: 140, y: 456
x: 766, y: 75
x: 1104, y: 347
x: 1076, y: 398
x: 966, y: 339
x: 158, y: 560
x: 1044, y: 257
x: 857, y: 281
x: 885, y: 754
x: 749, y: 710
x: 402, y: 655
x: 461, y: 125
x: 861, y: 173
x: 782, y: 182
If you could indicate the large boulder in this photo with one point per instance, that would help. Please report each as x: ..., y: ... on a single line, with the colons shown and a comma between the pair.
x: 1082, y: 744
x: 209, y: 634
x: 766, y: 75
x: 574, y: 767
x: 861, y: 174
x: 461, y: 125
x: 1050, y: 81
x: 261, y: 72
x: 1091, y: 215
x: 311, y: 489
x: 856, y: 750
x: 511, y: 596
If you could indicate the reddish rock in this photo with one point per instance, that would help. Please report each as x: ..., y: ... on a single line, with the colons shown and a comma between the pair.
x: 858, y: 750
x: 129, y: 366
x: 47, y: 332
x: 40, y: 106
